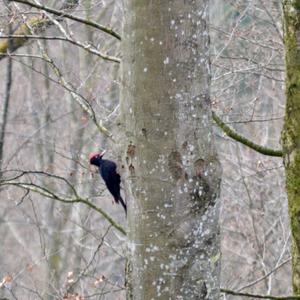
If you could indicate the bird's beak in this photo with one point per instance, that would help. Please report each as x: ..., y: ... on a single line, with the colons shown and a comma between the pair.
x: 102, y: 153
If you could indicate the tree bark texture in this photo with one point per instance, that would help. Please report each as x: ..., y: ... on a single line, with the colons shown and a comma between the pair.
x: 171, y: 170
x: 291, y: 130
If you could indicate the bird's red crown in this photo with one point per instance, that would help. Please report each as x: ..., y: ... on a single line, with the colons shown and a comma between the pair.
x: 94, y: 154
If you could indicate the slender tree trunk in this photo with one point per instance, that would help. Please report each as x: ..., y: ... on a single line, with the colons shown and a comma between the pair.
x: 172, y: 173
x: 291, y: 131
x: 5, y: 107
x: 54, y: 245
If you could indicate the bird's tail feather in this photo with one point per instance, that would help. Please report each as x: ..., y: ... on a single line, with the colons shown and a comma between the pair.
x: 123, y: 204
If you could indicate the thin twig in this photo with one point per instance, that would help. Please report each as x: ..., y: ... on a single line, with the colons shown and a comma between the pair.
x: 264, y: 277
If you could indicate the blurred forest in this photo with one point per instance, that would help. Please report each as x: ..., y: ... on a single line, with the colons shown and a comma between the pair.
x: 49, y: 248
x: 248, y: 93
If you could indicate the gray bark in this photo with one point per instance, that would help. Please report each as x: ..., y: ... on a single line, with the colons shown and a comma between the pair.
x: 171, y: 170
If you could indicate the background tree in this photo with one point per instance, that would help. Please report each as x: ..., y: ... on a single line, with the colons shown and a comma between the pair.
x: 291, y: 131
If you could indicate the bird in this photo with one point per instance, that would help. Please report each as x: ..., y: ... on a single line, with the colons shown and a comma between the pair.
x: 108, y: 172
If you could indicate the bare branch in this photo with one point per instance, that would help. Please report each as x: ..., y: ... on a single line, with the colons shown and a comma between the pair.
x: 257, y: 296
x: 84, y: 104
x: 45, y: 192
x: 241, y: 139
x: 71, y: 17
x: 33, y: 24
x: 86, y: 47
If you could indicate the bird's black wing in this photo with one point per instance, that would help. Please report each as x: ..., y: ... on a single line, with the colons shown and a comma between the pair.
x: 112, y: 179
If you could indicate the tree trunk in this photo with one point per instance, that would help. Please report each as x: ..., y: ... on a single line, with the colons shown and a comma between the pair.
x: 5, y: 108
x: 171, y: 170
x: 291, y: 130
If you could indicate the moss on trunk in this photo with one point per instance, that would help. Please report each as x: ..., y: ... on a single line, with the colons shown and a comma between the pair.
x: 291, y: 130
